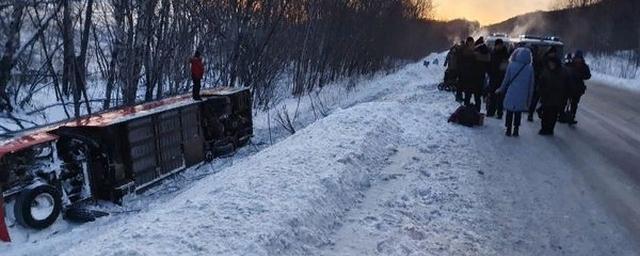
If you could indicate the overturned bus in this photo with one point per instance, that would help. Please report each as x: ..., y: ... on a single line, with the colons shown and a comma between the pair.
x: 105, y: 156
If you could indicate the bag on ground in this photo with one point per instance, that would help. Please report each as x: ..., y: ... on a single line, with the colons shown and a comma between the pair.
x: 467, y: 116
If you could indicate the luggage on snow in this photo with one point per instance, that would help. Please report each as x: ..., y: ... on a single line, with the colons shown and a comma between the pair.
x: 467, y: 116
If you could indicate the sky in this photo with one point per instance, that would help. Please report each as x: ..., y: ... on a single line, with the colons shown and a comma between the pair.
x: 487, y: 11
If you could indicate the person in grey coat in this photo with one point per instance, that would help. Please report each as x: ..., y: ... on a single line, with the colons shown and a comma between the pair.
x: 517, y: 86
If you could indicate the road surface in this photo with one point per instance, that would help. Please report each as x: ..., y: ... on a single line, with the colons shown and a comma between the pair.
x: 577, y: 193
x: 607, y: 139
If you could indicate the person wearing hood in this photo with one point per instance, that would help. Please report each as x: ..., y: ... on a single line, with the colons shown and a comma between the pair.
x: 478, y: 71
x: 517, y: 88
x: 553, y: 85
x: 579, y: 71
x: 497, y: 70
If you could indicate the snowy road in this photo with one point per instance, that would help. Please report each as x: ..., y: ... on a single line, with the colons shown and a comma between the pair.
x: 608, y: 137
x: 384, y: 174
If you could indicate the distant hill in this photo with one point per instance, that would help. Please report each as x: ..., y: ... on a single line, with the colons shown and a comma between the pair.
x: 610, y: 25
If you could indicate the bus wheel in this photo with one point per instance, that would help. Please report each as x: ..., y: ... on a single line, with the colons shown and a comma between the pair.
x: 37, y: 206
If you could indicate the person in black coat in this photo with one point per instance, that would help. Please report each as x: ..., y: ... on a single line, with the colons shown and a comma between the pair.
x: 465, y: 63
x: 540, y: 60
x: 579, y: 71
x: 497, y: 69
x: 478, y: 71
x: 553, y: 86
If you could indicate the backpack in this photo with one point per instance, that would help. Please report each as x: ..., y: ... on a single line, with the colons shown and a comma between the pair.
x: 467, y: 116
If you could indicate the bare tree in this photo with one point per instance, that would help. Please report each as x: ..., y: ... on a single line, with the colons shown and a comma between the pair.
x: 139, y: 48
x: 566, y: 4
x: 12, y: 48
x: 8, y: 57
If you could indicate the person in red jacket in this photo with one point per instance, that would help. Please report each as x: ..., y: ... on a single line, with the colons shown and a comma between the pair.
x: 197, y: 72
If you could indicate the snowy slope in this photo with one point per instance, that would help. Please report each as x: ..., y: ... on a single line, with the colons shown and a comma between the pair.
x: 282, y: 200
x: 302, y: 195
x: 62, y: 235
x: 286, y: 199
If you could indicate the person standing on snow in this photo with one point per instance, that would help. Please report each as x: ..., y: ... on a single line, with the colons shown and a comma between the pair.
x: 579, y: 71
x: 537, y: 69
x: 553, y: 85
x: 497, y: 70
x: 465, y: 64
x: 517, y: 87
x: 451, y: 63
x: 539, y: 64
x: 481, y: 64
x: 197, y: 72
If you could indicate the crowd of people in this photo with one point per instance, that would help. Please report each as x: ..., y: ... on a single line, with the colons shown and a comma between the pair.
x: 517, y: 79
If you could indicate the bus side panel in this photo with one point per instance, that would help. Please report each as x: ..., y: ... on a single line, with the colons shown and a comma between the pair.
x: 143, y: 154
x: 192, y: 135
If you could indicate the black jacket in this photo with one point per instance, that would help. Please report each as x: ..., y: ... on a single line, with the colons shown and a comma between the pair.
x: 578, y: 74
x: 480, y: 67
x: 553, y: 86
x: 466, y: 64
x: 498, y: 67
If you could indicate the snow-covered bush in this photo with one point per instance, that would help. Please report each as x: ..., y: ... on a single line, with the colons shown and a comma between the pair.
x: 623, y: 64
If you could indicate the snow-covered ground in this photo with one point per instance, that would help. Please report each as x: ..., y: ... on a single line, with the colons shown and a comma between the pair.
x: 382, y: 174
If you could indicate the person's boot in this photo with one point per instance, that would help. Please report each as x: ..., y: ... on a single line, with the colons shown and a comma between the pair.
x: 573, y: 122
x: 490, y: 112
x: 539, y: 112
x: 499, y: 116
x: 508, y: 132
x: 544, y: 132
x: 530, y: 118
x: 516, y: 131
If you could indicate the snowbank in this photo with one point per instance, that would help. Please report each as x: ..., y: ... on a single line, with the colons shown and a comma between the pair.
x: 618, y: 70
x: 282, y: 200
x: 628, y: 84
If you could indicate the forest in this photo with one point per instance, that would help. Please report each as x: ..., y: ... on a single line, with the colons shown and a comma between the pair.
x: 93, y: 55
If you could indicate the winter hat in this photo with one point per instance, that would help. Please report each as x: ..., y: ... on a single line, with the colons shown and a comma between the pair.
x: 469, y: 40
x: 480, y: 41
x: 499, y: 42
